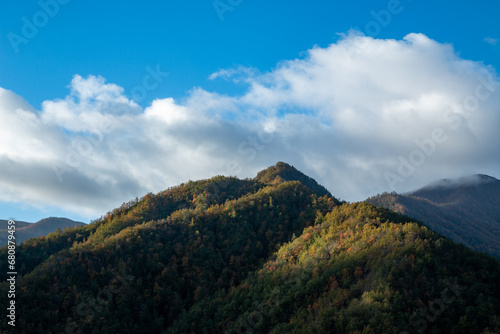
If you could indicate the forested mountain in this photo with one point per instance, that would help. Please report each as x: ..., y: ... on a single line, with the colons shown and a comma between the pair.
x: 263, y: 255
x: 467, y: 210
x: 43, y: 227
x: 284, y: 172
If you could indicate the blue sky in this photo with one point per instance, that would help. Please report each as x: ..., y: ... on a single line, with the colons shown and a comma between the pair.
x: 123, y: 42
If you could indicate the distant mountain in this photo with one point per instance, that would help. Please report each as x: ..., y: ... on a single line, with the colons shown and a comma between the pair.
x: 43, y: 227
x: 467, y: 209
x: 4, y: 224
x: 273, y: 254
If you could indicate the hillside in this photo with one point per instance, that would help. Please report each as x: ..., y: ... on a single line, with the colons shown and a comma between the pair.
x: 359, y: 269
x: 271, y: 255
x: 465, y: 210
x: 43, y: 227
x: 5, y: 223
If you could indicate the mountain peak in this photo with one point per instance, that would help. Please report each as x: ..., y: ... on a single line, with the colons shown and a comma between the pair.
x: 487, y: 178
x: 282, y: 172
x: 465, y: 181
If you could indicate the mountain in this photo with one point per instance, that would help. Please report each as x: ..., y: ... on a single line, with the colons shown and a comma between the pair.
x: 43, y: 227
x: 262, y: 255
x: 466, y: 210
x: 5, y: 223
x: 285, y: 172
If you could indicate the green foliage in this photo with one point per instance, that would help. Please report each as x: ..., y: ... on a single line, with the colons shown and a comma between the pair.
x: 194, y: 250
x: 222, y: 255
x: 282, y: 172
x: 362, y: 270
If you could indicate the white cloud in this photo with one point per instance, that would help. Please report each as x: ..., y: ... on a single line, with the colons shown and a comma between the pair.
x: 344, y: 114
x: 90, y: 103
x: 492, y: 41
x: 237, y: 74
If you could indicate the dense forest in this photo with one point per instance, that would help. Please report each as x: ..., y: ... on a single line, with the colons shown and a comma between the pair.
x: 274, y: 254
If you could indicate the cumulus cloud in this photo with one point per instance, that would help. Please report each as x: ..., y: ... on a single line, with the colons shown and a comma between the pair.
x: 362, y: 116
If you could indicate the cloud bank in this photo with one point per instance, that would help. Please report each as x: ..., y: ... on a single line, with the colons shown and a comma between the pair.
x: 362, y: 116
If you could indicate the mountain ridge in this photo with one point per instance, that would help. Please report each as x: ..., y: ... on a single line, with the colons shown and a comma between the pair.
x: 43, y: 227
x: 464, y: 209
x: 262, y: 255
x: 465, y: 181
